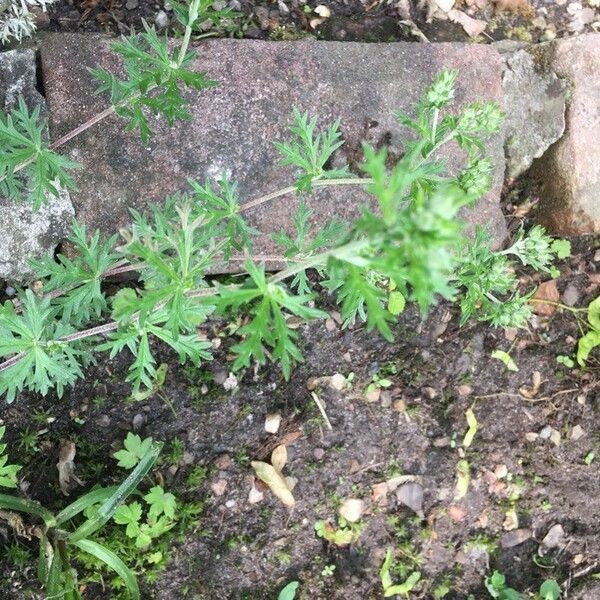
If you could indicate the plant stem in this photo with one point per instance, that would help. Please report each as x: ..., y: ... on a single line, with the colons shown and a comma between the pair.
x: 192, y: 16
x: 292, y: 188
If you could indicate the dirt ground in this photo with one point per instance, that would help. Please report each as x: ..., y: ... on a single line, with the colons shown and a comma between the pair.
x: 481, y: 21
x: 532, y: 510
x: 532, y: 463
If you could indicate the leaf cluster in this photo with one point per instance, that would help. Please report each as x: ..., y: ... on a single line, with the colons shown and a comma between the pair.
x: 157, y: 75
x: 27, y: 164
x: 59, y: 541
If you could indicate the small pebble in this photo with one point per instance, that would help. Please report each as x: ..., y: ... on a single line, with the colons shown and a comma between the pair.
x: 138, y: 421
x: 318, y: 453
x: 161, y: 20
x: 131, y: 4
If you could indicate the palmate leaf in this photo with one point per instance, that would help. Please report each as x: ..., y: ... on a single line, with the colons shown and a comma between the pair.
x: 22, y: 141
x: 108, y: 507
x: 47, y: 362
x: 222, y: 212
x: 79, y: 278
x: 136, y: 338
x: 307, y: 242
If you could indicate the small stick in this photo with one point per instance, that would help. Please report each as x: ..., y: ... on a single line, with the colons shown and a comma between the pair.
x: 322, y: 410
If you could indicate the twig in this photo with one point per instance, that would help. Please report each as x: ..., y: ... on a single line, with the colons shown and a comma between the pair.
x: 322, y: 410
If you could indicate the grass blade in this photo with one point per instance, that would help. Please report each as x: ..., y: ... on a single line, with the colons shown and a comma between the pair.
x: 111, y: 560
x: 85, y: 501
x: 107, y: 510
x: 27, y: 506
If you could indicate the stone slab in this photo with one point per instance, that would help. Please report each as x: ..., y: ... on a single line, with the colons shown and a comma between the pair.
x: 234, y: 125
x: 25, y: 234
x: 570, y: 170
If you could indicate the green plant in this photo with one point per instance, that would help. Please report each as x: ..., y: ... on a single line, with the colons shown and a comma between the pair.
x: 59, y: 541
x: 497, y: 588
x: 8, y: 472
x: 160, y: 516
x: 344, y: 534
x: 398, y: 589
x: 328, y: 571
x: 412, y: 243
x: 289, y: 591
x: 591, y: 339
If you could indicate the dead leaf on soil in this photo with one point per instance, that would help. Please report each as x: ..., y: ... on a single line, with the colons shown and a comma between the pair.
x: 532, y: 392
x: 380, y: 490
x: 547, y: 294
x: 456, y: 513
x: 16, y: 522
x: 473, y: 27
x: 463, y: 478
x: 66, y: 466
x: 271, y: 475
x: 279, y: 457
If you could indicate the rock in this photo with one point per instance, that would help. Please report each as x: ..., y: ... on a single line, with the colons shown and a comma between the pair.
x: 515, y: 537
x: 233, y: 126
x: 161, y: 20
x: 570, y: 170
x: 272, y: 422
x: 352, y: 509
x: 535, y: 119
x: 571, y: 295
x: 131, y: 4
x: 25, y: 234
x: 138, y: 421
x: 554, y: 537
x: 218, y: 487
x: 577, y: 432
x: 411, y: 495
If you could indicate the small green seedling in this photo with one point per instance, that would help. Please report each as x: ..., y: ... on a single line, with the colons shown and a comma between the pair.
x: 592, y: 338
x: 549, y: 590
x: 289, y: 591
x: 344, y: 534
x: 497, y: 588
x: 567, y: 361
x: 8, y: 473
x: 134, y: 449
x: 398, y: 589
x: 328, y: 571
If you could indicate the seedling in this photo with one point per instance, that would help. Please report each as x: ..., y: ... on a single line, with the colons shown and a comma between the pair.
x: 289, y: 591
x: 8, y: 472
x: 398, y: 589
x: 344, y: 534
x: 59, y: 540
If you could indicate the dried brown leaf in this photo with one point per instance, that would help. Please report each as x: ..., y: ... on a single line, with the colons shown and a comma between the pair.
x: 275, y: 480
x: 473, y: 27
x: 279, y: 457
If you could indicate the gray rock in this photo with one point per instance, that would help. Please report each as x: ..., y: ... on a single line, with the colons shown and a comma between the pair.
x: 233, y: 126
x: 161, y: 20
x: 570, y: 169
x: 515, y: 537
x: 554, y: 538
x: 535, y: 119
x: 411, y: 495
x: 131, y: 4
x: 25, y: 234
